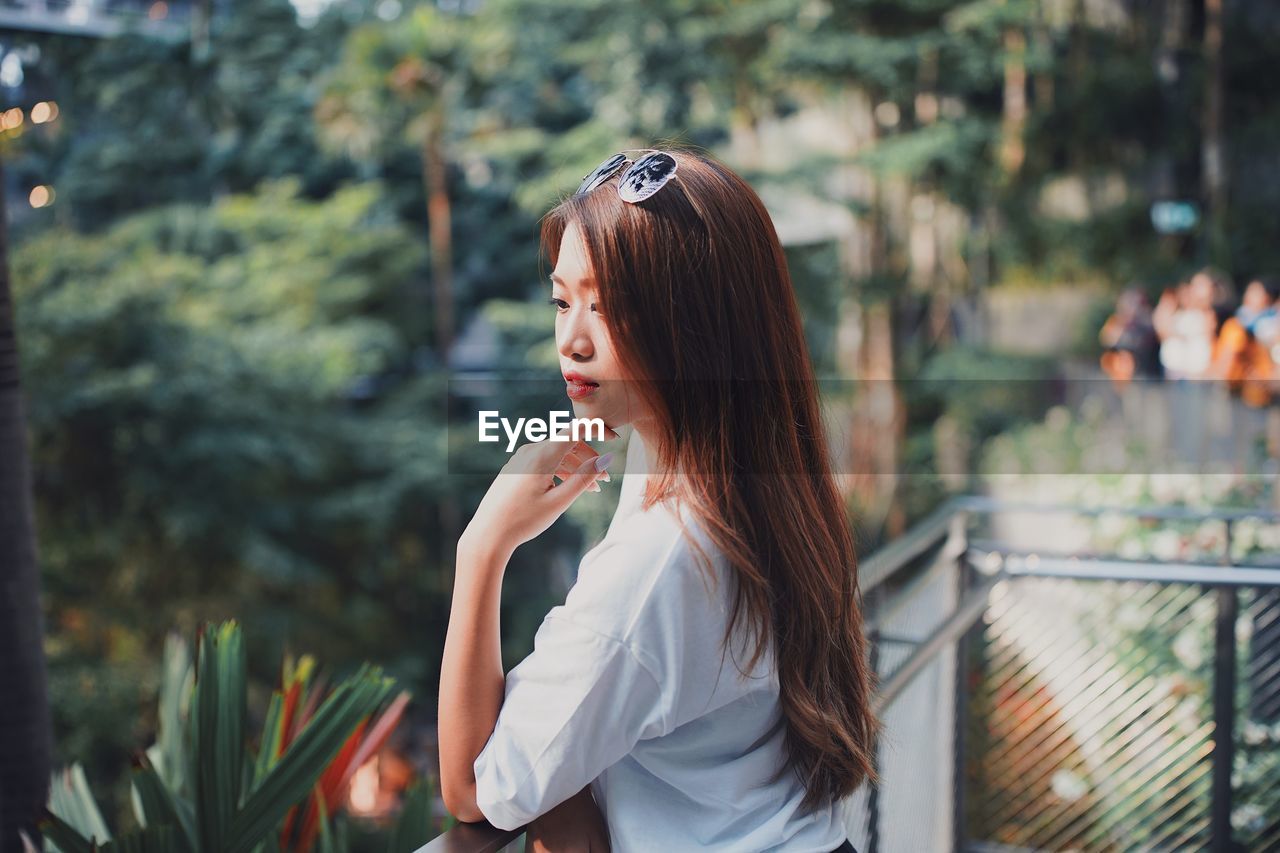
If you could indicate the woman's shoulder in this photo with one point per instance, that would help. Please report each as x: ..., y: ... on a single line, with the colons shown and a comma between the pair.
x: 645, y: 571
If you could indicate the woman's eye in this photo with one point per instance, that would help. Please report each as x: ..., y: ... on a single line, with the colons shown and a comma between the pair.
x: 561, y: 305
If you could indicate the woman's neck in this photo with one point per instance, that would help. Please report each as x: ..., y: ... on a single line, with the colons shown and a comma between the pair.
x: 648, y: 461
x: 644, y: 465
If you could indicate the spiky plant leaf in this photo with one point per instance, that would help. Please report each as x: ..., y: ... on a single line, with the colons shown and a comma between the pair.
x: 159, y: 806
x: 219, y: 713
x: 171, y: 756
x: 153, y: 839
x: 63, y: 836
x: 413, y: 827
x: 306, y: 758
x: 71, y: 800
x: 272, y: 739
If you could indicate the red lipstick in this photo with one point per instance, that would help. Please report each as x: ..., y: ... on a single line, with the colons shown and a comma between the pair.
x: 578, y: 386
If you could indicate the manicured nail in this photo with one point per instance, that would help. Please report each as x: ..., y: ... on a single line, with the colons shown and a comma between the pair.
x: 602, y: 462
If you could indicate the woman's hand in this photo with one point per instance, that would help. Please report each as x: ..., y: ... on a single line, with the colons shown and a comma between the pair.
x: 574, y: 826
x: 524, y: 499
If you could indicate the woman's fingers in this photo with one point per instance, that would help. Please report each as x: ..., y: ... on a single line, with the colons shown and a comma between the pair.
x: 564, y: 472
x: 563, y: 462
x: 578, y: 453
x: 573, y: 463
x: 582, y: 479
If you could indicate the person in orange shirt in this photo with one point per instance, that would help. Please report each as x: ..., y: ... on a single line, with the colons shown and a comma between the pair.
x: 1242, y: 352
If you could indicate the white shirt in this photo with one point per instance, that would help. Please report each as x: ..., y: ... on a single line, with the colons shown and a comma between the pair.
x: 626, y: 690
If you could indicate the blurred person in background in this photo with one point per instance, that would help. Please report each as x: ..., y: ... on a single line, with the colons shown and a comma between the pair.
x: 1242, y: 353
x: 1187, y: 324
x: 1242, y: 359
x: 1223, y: 297
x: 1129, y: 337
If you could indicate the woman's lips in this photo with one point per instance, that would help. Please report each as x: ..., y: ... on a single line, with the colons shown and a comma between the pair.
x: 577, y: 389
x: 578, y: 386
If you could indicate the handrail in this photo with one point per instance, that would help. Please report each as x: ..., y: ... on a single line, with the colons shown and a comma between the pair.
x: 1039, y: 564
x: 951, y: 551
x: 988, y: 505
x: 886, y: 562
x: 961, y: 619
x: 482, y: 837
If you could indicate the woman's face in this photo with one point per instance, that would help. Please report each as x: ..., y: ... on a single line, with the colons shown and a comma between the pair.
x: 582, y: 338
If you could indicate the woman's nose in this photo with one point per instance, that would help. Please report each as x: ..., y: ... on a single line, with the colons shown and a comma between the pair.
x: 575, y: 338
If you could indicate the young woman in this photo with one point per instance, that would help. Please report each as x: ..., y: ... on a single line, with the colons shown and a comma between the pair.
x: 705, y: 685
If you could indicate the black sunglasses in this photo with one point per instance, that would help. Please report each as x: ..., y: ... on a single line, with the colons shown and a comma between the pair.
x: 642, y: 179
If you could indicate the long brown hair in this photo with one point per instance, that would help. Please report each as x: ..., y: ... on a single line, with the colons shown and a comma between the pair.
x: 695, y: 287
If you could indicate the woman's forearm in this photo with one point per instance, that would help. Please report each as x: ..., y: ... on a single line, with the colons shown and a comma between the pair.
x: 471, y: 677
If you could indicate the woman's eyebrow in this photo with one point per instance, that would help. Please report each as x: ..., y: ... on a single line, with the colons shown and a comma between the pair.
x: 586, y: 282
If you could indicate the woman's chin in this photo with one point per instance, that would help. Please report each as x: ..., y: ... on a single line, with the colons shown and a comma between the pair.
x: 592, y: 408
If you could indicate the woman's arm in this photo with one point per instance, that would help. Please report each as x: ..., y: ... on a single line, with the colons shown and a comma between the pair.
x: 522, y: 502
x: 471, y: 678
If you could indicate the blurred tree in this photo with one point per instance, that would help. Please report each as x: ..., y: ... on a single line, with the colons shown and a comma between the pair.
x: 401, y: 84
x: 225, y: 422
x: 152, y: 122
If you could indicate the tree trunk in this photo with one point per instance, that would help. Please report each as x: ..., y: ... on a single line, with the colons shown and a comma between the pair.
x: 1014, y: 121
x: 25, y: 729
x: 435, y: 175
x: 1213, y: 163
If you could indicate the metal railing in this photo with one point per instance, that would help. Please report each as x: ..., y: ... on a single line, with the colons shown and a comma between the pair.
x: 1111, y: 713
x: 1035, y: 700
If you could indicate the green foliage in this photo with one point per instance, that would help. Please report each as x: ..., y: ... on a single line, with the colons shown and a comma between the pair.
x: 985, y: 391
x: 71, y: 800
x: 229, y: 810
x: 197, y: 397
x: 813, y: 270
x: 207, y: 358
x: 150, y: 123
x: 414, y: 823
x: 217, y: 716
x: 945, y: 149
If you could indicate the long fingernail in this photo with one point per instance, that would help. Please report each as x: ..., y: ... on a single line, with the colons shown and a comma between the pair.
x: 602, y: 462
x: 607, y: 478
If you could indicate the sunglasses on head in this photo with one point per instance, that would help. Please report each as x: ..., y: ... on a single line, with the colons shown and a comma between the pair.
x: 643, y: 177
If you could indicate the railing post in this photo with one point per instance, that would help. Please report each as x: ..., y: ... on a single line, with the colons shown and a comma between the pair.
x: 1224, y: 708
x: 873, y: 791
x: 960, y: 710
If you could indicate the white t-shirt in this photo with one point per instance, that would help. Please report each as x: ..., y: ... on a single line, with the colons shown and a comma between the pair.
x: 626, y: 690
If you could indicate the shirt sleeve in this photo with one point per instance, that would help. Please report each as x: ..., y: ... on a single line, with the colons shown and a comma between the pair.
x: 576, y: 705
